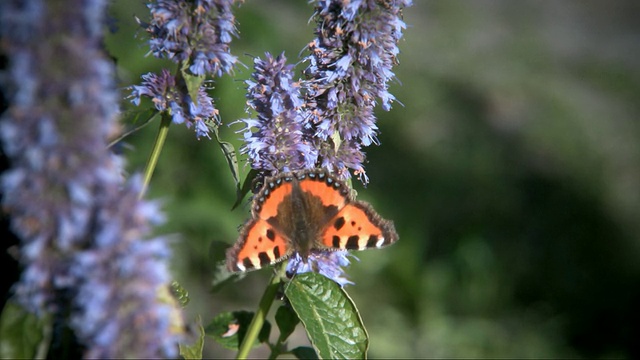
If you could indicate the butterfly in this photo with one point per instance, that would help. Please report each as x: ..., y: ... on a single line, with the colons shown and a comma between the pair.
x: 304, y: 212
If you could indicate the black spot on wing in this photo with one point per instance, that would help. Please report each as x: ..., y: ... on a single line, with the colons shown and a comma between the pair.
x: 331, y: 210
x: 336, y: 241
x: 352, y: 242
x: 373, y: 240
x: 247, y: 263
x: 339, y: 223
x: 271, y: 235
x: 264, y: 258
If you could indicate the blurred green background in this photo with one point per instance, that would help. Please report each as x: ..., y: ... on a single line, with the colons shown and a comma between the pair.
x: 511, y: 170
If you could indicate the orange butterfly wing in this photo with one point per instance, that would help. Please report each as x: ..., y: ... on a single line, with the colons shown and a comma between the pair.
x: 260, y: 244
x: 342, y: 223
x: 357, y: 227
x: 333, y: 194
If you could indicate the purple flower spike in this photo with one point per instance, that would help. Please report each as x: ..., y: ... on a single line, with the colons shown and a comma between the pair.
x: 166, y: 95
x: 277, y: 140
x: 347, y: 156
x: 196, y: 32
x: 85, y: 249
x: 349, y: 68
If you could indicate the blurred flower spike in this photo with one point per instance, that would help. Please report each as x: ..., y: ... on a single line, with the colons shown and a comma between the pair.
x: 87, y: 255
x: 168, y: 95
x: 195, y: 33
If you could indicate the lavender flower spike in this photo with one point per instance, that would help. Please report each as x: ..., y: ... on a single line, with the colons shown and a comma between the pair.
x: 196, y: 32
x: 349, y: 68
x: 280, y: 141
x: 168, y: 95
x: 83, y: 232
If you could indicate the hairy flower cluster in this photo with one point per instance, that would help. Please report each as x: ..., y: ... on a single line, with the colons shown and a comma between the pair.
x: 281, y: 141
x: 194, y: 32
x: 83, y: 232
x: 169, y: 95
x: 349, y: 67
x: 340, y: 158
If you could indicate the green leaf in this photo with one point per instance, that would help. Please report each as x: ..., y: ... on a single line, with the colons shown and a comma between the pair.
x: 220, y: 275
x: 286, y: 319
x: 217, y: 251
x: 136, y: 116
x: 194, y: 351
x: 229, y: 328
x: 229, y: 152
x: 330, y: 318
x: 304, y: 352
x: 179, y: 293
x: 193, y: 83
x: 246, y: 187
x: 133, y: 117
x: 223, y: 278
x: 20, y: 333
x: 337, y: 141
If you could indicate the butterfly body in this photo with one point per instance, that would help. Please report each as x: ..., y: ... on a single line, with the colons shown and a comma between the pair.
x: 304, y: 212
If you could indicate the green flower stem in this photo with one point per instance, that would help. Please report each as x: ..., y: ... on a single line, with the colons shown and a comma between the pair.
x: 258, y: 319
x: 155, y: 153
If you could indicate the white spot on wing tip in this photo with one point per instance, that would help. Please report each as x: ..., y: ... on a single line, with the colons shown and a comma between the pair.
x: 241, y: 267
x: 380, y: 242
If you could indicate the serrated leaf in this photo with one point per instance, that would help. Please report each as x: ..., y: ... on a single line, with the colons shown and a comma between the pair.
x: 304, y: 352
x: 20, y: 333
x: 330, y: 318
x: 194, y: 351
x: 229, y: 329
x: 287, y: 320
